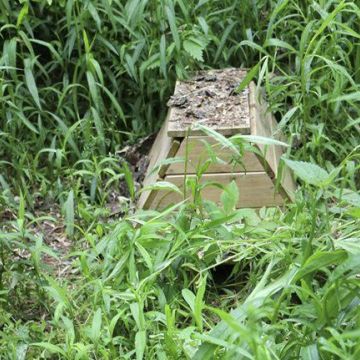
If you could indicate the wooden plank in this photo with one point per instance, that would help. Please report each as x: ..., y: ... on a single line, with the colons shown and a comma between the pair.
x: 208, y: 98
x: 260, y: 121
x: 198, y: 154
x: 287, y: 181
x: 196, y: 132
x: 160, y: 147
x: 164, y: 147
x: 263, y: 123
x: 256, y: 190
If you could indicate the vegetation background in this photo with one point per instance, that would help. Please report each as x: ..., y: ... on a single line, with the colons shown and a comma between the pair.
x: 79, y: 80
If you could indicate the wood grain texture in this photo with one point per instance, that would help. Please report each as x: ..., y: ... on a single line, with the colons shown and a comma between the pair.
x: 260, y: 121
x: 256, y: 190
x: 198, y: 154
x: 164, y: 147
x: 256, y: 177
x: 263, y: 123
x: 197, y: 132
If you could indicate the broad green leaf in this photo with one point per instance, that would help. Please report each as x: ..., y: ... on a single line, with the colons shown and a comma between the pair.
x: 309, y: 352
x: 189, y: 297
x: 21, y: 351
x: 230, y: 197
x: 140, y: 344
x: 96, y: 326
x: 194, y: 48
x: 308, y: 172
x: 351, y: 197
x: 137, y: 312
x: 69, y: 327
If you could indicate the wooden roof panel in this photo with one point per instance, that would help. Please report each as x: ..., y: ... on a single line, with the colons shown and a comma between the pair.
x: 210, y: 98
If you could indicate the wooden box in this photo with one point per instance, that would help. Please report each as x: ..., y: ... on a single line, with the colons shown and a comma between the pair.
x: 210, y: 99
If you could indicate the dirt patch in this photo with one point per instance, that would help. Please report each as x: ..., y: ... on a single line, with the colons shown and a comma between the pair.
x: 210, y: 98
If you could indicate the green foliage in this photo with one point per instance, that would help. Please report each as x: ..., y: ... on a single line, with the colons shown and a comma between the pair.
x: 109, y: 66
x: 78, y: 80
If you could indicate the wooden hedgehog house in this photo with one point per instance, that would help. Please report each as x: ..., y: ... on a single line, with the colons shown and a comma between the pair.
x: 209, y: 98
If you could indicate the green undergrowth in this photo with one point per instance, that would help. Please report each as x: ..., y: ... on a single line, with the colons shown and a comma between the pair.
x: 84, y: 275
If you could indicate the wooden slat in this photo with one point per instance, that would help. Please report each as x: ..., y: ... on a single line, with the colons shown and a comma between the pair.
x: 256, y: 190
x: 261, y: 126
x: 263, y: 123
x: 197, y: 132
x: 198, y: 154
x: 164, y: 147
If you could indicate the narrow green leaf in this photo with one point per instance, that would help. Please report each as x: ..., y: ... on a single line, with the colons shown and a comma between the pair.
x: 30, y: 82
x: 320, y: 260
x: 22, y: 14
x: 279, y: 43
x: 248, y: 78
x: 163, y: 185
x: 355, y: 96
x: 95, y: 15
x: 93, y: 90
x: 173, y: 27
x: 260, y: 140
x: 69, y: 213
x: 54, y: 349
x: 199, y: 304
x: 163, y: 55
x: 26, y: 122
x: 221, y: 139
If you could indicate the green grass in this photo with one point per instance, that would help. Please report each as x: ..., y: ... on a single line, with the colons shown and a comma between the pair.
x: 79, y: 79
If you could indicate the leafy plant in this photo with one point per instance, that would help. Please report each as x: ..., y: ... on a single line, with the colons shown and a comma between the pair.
x: 83, y: 275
